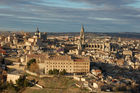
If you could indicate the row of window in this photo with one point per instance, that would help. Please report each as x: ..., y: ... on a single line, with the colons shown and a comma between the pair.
x: 80, y: 66
x: 81, y: 63
x: 56, y: 63
x: 95, y: 46
x: 58, y: 66
x: 62, y: 69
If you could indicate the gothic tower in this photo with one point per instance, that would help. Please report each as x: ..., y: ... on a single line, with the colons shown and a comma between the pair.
x: 37, y: 30
x: 37, y: 33
x: 81, y: 41
x: 82, y: 36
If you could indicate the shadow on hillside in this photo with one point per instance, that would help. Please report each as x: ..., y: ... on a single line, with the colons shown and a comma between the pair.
x: 118, y: 72
x: 114, y: 70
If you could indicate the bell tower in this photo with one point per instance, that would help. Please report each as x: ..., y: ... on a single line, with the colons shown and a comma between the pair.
x: 82, y: 36
x: 81, y: 41
x: 37, y: 33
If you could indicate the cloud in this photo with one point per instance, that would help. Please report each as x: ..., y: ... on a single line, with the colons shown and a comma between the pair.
x: 106, y: 2
x: 103, y: 19
x: 108, y: 14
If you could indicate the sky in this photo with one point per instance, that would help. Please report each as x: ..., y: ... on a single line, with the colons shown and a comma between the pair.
x: 68, y: 15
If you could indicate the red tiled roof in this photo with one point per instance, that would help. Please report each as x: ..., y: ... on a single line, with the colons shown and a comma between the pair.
x: 2, y: 51
x: 98, y: 71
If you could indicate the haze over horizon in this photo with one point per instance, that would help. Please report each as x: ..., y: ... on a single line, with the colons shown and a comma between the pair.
x: 68, y: 15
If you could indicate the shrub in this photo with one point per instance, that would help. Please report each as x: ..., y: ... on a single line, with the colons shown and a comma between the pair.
x: 34, y: 67
x: 63, y: 72
x: 22, y: 82
x: 50, y: 72
x: 56, y: 72
x: 30, y: 62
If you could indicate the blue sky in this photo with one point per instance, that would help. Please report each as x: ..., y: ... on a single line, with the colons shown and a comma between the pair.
x: 68, y: 15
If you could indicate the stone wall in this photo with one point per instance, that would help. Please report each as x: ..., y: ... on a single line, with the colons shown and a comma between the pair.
x: 12, y: 77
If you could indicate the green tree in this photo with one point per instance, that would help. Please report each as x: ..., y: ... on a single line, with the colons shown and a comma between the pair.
x: 34, y: 68
x: 63, y: 72
x: 50, y: 72
x: 30, y: 62
x: 11, y: 88
x: 3, y: 86
x: 55, y: 71
x: 22, y: 82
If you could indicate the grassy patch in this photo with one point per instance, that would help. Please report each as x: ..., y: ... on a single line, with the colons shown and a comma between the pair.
x: 56, y: 85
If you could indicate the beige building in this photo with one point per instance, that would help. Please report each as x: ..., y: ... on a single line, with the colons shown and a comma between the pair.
x: 127, y: 52
x: 61, y: 62
x: 12, y: 77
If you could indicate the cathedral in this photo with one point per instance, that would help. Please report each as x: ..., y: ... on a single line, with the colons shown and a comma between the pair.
x: 91, y: 45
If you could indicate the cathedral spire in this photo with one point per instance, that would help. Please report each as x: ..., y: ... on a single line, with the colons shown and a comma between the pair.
x: 81, y: 41
x: 82, y: 29
x: 37, y: 30
x: 82, y: 35
x: 37, y: 33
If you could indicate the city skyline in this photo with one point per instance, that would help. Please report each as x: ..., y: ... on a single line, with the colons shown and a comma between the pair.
x: 68, y: 15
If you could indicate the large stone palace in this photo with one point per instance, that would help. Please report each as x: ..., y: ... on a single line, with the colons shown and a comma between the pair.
x: 71, y: 64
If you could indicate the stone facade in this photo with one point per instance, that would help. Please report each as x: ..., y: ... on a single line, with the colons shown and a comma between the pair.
x: 61, y: 62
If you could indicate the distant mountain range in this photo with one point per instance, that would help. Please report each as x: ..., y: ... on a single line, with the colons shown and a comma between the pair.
x: 115, y: 34
x: 122, y: 34
x: 125, y: 35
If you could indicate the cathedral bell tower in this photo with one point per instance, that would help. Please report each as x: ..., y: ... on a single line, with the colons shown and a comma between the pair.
x: 82, y: 35
x: 37, y: 30
x: 37, y: 33
x: 81, y: 40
